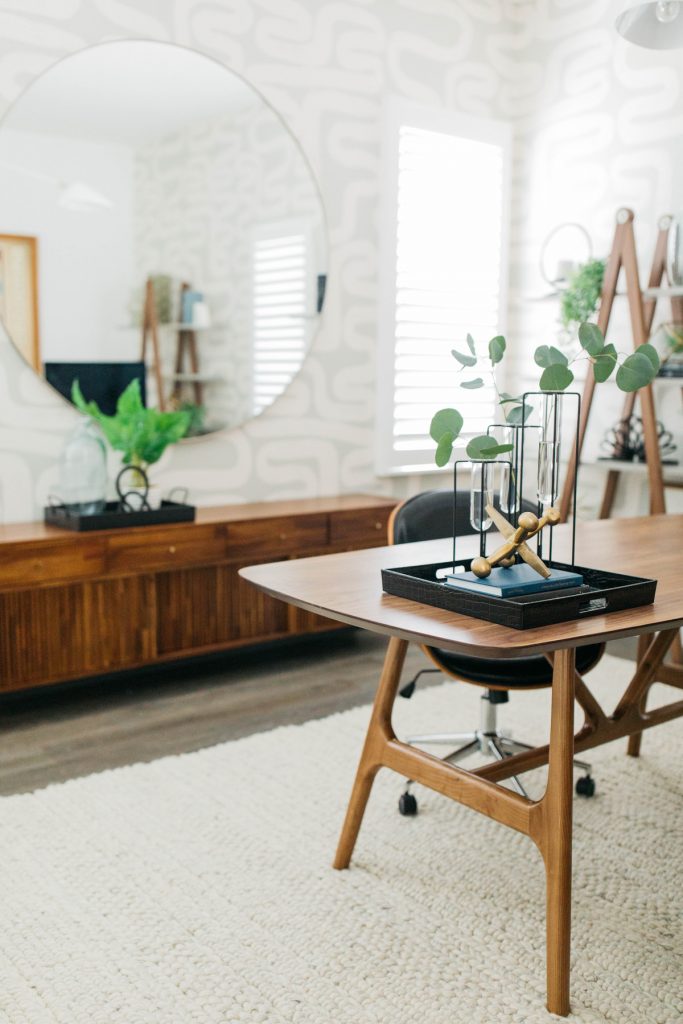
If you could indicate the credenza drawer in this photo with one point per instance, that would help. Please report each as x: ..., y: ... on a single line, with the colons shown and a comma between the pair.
x: 362, y: 528
x: 166, y: 549
x: 279, y: 537
x: 50, y: 563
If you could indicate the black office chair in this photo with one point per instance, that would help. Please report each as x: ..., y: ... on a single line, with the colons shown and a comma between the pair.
x: 429, y: 516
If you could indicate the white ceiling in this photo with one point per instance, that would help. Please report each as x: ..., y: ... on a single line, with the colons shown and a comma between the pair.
x: 128, y: 92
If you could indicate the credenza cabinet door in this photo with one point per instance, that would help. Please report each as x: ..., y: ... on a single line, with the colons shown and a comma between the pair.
x: 64, y: 632
x: 211, y: 607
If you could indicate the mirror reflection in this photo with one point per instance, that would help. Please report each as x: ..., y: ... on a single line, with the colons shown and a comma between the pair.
x: 158, y: 221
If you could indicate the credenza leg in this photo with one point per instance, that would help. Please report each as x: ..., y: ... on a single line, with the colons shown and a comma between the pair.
x: 379, y: 731
x: 556, y: 843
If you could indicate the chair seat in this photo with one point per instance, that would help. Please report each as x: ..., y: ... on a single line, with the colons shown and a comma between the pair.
x: 514, y: 673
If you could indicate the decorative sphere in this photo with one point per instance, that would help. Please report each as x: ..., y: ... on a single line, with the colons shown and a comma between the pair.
x: 481, y: 568
x: 528, y: 521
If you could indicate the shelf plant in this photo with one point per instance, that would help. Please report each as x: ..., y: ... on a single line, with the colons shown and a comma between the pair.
x: 634, y: 371
x: 580, y: 299
x: 141, y: 434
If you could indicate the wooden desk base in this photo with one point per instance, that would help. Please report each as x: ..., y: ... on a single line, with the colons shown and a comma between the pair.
x: 547, y: 821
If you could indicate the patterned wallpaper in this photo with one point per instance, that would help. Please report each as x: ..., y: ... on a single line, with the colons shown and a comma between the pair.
x: 598, y: 124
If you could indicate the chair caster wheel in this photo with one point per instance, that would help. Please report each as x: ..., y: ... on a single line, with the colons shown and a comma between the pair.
x: 585, y: 786
x: 407, y: 805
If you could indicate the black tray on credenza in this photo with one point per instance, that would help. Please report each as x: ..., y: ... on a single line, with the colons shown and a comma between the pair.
x: 602, y: 592
x: 114, y: 517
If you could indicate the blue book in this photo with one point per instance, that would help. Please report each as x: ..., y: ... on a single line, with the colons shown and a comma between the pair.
x: 189, y: 299
x: 517, y: 581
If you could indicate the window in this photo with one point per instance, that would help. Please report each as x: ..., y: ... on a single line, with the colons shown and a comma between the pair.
x: 280, y: 308
x: 443, y: 268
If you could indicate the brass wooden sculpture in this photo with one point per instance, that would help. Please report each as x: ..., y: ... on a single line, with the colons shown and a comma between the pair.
x: 528, y: 525
x: 524, y: 551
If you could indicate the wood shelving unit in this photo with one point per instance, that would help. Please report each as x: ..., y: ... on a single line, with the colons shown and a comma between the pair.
x: 186, y: 350
x: 642, y: 305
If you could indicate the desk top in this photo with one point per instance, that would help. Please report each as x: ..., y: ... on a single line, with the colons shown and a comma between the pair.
x: 348, y: 587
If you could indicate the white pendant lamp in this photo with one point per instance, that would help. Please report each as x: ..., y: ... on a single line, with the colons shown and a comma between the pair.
x: 657, y: 25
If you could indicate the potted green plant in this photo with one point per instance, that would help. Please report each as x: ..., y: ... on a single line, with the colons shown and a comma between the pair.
x: 581, y: 297
x: 634, y: 371
x: 141, y: 434
x: 673, y: 341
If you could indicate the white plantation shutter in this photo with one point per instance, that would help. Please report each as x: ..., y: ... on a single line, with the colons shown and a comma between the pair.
x: 443, y: 264
x: 280, y: 306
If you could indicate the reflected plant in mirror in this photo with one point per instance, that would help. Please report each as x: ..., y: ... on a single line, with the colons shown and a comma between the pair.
x: 178, y: 233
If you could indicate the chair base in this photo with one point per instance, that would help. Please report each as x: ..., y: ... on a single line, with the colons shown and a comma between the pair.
x: 489, y: 741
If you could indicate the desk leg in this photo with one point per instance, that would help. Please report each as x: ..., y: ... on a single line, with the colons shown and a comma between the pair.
x: 555, y: 838
x: 634, y: 740
x: 379, y: 731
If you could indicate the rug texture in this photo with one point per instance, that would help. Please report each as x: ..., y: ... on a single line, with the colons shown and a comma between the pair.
x: 199, y: 888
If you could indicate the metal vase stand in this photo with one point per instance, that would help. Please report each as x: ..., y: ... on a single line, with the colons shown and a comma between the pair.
x: 549, y: 443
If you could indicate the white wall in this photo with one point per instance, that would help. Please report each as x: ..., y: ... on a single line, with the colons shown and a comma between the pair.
x: 85, y: 258
x: 597, y: 123
x: 325, y: 66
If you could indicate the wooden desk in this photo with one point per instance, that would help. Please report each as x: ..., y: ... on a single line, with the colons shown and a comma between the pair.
x: 348, y: 587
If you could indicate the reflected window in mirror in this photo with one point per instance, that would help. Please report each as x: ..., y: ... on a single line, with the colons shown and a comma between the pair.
x: 284, y: 296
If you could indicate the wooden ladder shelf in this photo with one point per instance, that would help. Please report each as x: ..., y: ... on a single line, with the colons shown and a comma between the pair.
x: 641, y: 312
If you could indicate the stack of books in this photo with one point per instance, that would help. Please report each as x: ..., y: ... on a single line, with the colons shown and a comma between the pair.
x: 517, y: 581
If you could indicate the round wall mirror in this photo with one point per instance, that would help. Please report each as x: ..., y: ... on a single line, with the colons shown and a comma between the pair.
x: 158, y: 221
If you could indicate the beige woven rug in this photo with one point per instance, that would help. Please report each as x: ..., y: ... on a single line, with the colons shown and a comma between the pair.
x: 199, y: 889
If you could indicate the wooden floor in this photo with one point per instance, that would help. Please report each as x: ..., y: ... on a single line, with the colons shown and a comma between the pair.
x: 61, y: 732
x: 58, y: 733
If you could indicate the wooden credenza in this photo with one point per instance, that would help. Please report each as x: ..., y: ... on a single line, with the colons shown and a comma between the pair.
x: 82, y: 604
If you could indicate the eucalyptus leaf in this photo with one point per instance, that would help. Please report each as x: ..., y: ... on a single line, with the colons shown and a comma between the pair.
x: 463, y: 358
x: 604, y: 364
x: 505, y: 398
x: 444, y: 449
x: 496, y: 349
x: 518, y: 414
x: 472, y: 385
x: 470, y: 344
x: 500, y: 449
x: 651, y: 352
x: 636, y: 371
x: 556, y: 377
x: 591, y: 339
x: 485, y: 447
x: 548, y: 355
x: 445, y: 421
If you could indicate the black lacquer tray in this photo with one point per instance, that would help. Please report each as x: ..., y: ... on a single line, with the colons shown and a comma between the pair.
x: 114, y: 516
x: 602, y: 592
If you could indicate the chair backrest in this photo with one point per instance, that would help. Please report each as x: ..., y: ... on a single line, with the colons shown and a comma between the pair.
x: 429, y: 516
